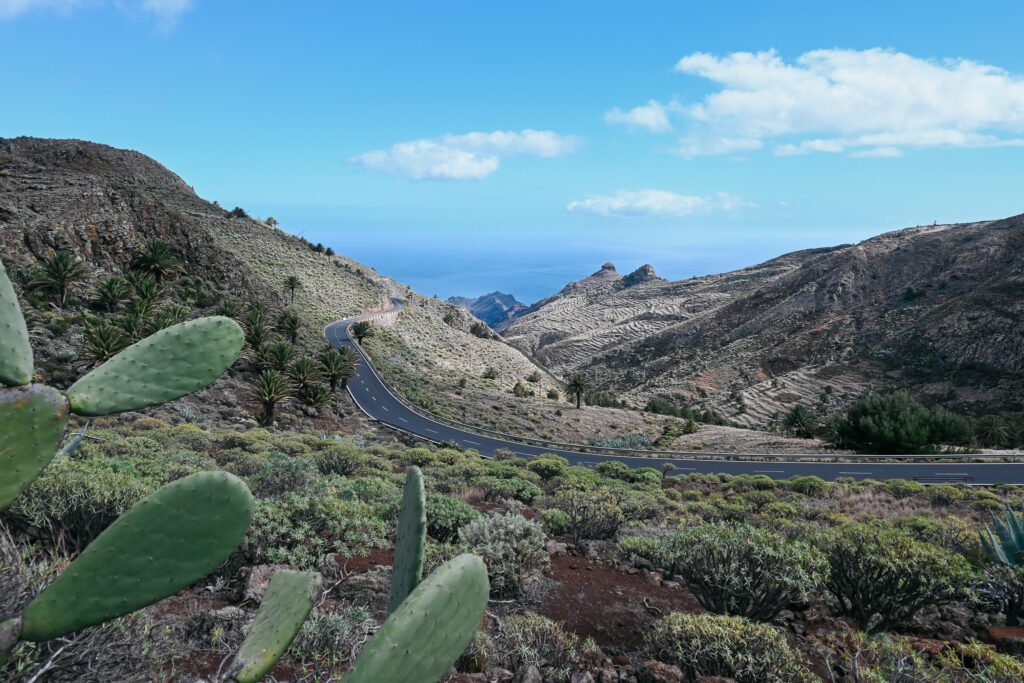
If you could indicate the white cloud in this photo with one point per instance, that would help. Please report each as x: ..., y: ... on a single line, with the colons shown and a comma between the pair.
x: 868, y: 103
x: 166, y: 12
x: 465, y: 157
x: 654, y: 203
x: 652, y: 116
x: 694, y: 147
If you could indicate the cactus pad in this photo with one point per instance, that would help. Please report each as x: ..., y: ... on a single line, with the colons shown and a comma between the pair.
x: 32, y: 420
x: 409, y: 542
x: 284, y: 609
x: 165, y: 542
x: 15, y: 352
x: 424, y: 637
x: 162, y: 367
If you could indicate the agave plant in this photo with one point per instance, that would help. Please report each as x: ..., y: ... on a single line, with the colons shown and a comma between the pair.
x: 1006, y: 544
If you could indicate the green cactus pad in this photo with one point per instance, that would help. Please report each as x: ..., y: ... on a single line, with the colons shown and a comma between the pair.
x: 165, y: 542
x: 162, y: 367
x: 32, y: 420
x: 412, y: 536
x: 284, y: 609
x: 424, y: 637
x: 15, y: 352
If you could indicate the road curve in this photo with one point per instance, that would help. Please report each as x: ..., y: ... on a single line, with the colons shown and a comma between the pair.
x: 377, y: 401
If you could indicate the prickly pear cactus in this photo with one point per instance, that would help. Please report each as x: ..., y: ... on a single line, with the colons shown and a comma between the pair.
x: 286, y: 604
x: 424, y: 637
x: 412, y: 536
x: 32, y: 420
x: 162, y: 367
x: 165, y: 542
x: 15, y: 351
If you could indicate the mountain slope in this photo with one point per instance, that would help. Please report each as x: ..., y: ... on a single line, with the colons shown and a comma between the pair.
x: 103, y: 204
x: 937, y: 308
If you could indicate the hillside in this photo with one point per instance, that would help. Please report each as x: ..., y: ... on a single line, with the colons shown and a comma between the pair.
x: 937, y: 308
x: 103, y: 205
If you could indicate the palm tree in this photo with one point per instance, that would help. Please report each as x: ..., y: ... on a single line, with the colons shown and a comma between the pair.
x: 269, y: 389
x: 578, y: 386
x: 60, y: 274
x: 289, y: 324
x: 158, y: 260
x: 110, y: 292
x: 291, y: 283
x: 361, y: 330
x: 990, y: 432
x: 143, y: 286
x: 316, y: 395
x: 802, y: 421
x: 277, y: 356
x: 304, y: 372
x: 338, y: 365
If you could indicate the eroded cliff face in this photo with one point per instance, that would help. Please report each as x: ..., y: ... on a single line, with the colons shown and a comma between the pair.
x: 938, y: 308
x: 103, y: 204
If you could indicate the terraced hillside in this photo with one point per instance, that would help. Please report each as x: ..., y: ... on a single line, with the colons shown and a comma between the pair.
x: 936, y: 308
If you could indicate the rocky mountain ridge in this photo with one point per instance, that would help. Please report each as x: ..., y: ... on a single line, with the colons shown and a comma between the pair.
x: 939, y: 309
x: 497, y: 309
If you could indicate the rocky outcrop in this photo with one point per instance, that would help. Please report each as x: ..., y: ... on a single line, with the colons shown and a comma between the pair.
x: 938, y: 308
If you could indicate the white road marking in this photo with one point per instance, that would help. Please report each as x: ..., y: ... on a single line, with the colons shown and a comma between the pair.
x: 854, y: 473
x: 772, y: 471
x: 403, y: 419
x: 475, y: 443
x: 432, y: 431
x: 952, y: 474
x: 386, y: 408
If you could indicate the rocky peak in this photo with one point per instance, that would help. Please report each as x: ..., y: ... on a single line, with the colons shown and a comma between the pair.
x: 644, y: 273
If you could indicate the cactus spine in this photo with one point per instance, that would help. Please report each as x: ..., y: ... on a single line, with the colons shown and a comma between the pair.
x: 286, y: 604
x: 410, y: 539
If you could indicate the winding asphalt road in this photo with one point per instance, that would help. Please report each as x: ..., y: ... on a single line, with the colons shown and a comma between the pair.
x: 377, y: 401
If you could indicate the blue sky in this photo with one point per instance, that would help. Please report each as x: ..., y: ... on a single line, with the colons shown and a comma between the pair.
x: 465, y: 147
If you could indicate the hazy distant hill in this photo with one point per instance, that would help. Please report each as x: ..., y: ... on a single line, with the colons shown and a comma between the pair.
x: 496, y: 309
x: 939, y: 309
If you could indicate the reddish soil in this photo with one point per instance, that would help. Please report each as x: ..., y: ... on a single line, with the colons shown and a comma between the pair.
x: 608, y: 604
x: 378, y: 556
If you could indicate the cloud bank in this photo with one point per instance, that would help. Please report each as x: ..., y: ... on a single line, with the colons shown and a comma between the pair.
x: 654, y: 203
x: 652, y: 117
x: 465, y: 157
x: 873, y: 102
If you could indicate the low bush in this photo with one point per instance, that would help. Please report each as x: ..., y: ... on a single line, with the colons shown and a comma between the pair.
x: 548, y: 465
x: 515, y: 488
x: 613, y: 469
x: 555, y: 521
x: 812, y: 486
x: 901, y: 488
x: 732, y: 647
x: 445, y: 516
x: 880, y: 576
x: 338, y: 458
x: 511, y: 546
x: 299, y: 530
x: 282, y: 474
x: 592, y: 512
x: 528, y: 639
x: 743, y: 570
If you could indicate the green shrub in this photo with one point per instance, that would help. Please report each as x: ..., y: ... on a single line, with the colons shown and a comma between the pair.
x: 901, y: 488
x: 733, y: 647
x: 744, y: 570
x: 898, y: 424
x: 647, y: 477
x: 420, y: 457
x: 515, y: 488
x: 592, y: 512
x: 880, y: 576
x: 299, y: 530
x: 282, y: 474
x: 555, y: 521
x: 654, y: 550
x: 511, y: 546
x: 637, y: 506
x: 548, y: 465
x: 809, y: 486
x: 944, y: 494
x: 338, y: 458
x: 613, y: 469
x: 445, y: 516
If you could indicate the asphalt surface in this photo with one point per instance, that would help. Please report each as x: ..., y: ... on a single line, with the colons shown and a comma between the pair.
x: 376, y: 400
